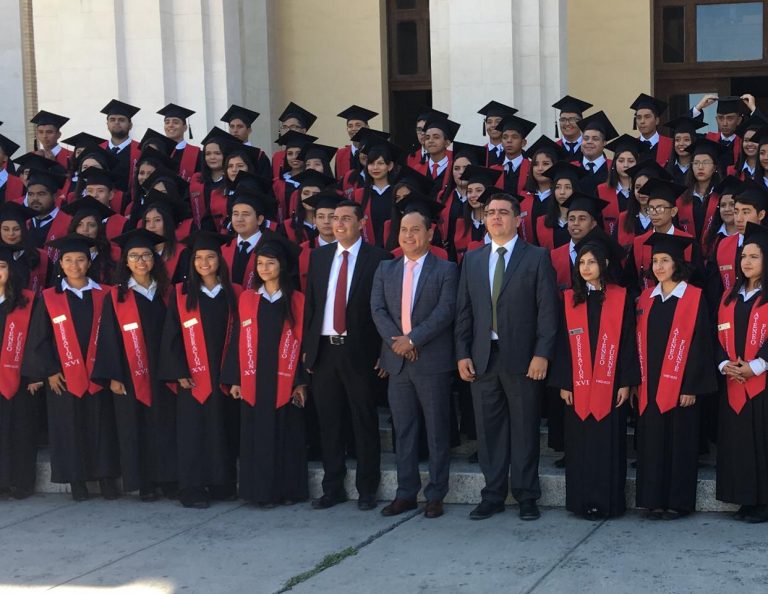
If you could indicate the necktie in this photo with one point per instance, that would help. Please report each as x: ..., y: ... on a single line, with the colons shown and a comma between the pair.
x: 591, y: 167
x: 571, y: 147
x: 725, y: 142
x: 435, y: 167
x: 499, y: 151
x: 646, y: 145
x: 498, y: 279
x: 115, y: 150
x: 405, y: 302
x: 340, y: 299
x: 240, y: 263
x: 42, y: 222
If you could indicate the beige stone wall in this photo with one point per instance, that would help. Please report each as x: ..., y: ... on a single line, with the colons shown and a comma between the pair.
x: 610, y: 58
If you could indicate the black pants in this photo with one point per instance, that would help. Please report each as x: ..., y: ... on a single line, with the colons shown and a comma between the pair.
x: 337, y: 383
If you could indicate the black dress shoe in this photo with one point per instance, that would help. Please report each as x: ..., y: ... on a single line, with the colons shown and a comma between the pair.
x: 195, y: 498
x: 398, y: 506
x: 743, y: 512
x: 367, y: 503
x: 757, y: 515
x: 328, y: 500
x: 485, y: 510
x: 109, y: 490
x: 529, y: 510
x: 79, y: 491
x: 148, y: 494
x: 20, y: 492
x: 674, y: 514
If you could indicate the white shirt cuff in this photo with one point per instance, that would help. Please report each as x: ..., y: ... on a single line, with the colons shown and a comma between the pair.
x: 722, y: 366
x: 758, y: 366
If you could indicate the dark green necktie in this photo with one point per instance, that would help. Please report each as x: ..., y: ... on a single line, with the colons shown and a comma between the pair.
x: 498, y: 279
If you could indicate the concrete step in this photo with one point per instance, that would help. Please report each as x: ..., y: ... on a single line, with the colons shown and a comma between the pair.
x: 465, y: 484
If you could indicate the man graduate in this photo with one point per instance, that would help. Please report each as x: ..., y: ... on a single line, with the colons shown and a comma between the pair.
x: 571, y: 113
x: 240, y: 120
x: 494, y: 112
x: 47, y: 134
x: 185, y: 156
x: 120, y: 143
x: 346, y: 157
x: 648, y: 110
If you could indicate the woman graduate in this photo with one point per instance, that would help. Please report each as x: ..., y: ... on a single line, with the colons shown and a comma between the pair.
x: 198, y: 327
x: 206, y: 188
x: 18, y: 399
x: 551, y: 230
x: 31, y: 263
x: 671, y: 319
x: 62, y: 349
x: 594, y: 383
x: 129, y: 339
x: 263, y: 368
x: 742, y: 326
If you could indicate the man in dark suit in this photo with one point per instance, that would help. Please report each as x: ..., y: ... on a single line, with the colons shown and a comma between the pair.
x: 341, y: 350
x: 414, y: 304
x: 506, y: 322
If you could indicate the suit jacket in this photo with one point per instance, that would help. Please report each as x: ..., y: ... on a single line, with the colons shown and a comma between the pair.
x: 527, y: 309
x: 432, y: 314
x: 362, y: 338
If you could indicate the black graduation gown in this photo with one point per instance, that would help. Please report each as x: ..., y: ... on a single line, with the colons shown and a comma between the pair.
x: 206, y: 433
x: 668, y: 444
x: 381, y: 210
x: 18, y: 435
x: 742, y: 445
x: 81, y: 431
x: 273, y: 459
x: 146, y: 434
x: 588, y: 184
x: 596, y: 451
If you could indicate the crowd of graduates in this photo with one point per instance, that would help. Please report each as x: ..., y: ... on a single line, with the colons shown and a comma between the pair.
x: 152, y: 297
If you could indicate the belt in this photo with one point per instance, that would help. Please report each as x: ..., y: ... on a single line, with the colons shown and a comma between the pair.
x: 336, y: 340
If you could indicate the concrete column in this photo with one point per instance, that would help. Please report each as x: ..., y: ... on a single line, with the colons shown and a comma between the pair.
x: 12, y: 79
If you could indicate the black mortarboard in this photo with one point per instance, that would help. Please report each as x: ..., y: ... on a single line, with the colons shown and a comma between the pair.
x: 600, y: 122
x: 579, y: 201
x: 98, y: 177
x: 107, y: 158
x: 545, y: 144
x: 388, y: 149
x: 314, y: 150
x: 753, y: 122
x: 449, y: 128
x: 223, y: 138
x: 731, y: 105
x: 9, y: 147
x: 728, y: 186
x: 35, y: 161
x: 425, y: 112
x: 46, y: 118
x: 156, y: 158
x: 481, y: 175
x: 518, y: 124
x: 365, y: 134
x: 417, y: 202
x: 115, y: 107
x: 649, y: 168
x: 14, y: 211
x: 474, y: 152
x: 138, y: 238
x: 643, y: 101
x: 74, y: 242
x: 293, y: 110
x: 355, y: 112
x: 565, y: 170
x: 625, y: 142
x: 570, y: 104
x: 754, y: 193
x: 258, y: 201
x: 705, y: 146
x: 604, y: 244
x: 236, y: 112
x: 662, y: 189
x: 7, y: 251
x: 761, y: 136
x: 293, y: 139
x: 205, y: 240
x: 674, y: 245
x: 154, y: 138
x: 495, y: 109
x: 310, y: 177
x: 82, y: 139
x: 50, y: 180
x: 281, y: 248
x: 685, y: 124
x: 756, y: 233
x: 170, y: 180
x: 175, y: 208
x: 246, y: 179
x: 325, y: 199
x: 416, y: 181
x: 88, y: 205
x: 175, y: 111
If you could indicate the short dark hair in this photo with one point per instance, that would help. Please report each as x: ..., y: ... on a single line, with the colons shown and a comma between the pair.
x: 355, y: 206
x: 514, y: 202
x: 425, y: 218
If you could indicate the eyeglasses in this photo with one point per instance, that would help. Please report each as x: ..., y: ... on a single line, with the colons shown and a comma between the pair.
x: 294, y: 127
x: 571, y: 120
x: 658, y: 209
x: 145, y: 257
x: 702, y: 163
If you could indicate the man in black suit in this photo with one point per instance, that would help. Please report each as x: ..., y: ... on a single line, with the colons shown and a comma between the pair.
x: 506, y: 323
x: 341, y: 350
x: 414, y: 305
x: 596, y: 132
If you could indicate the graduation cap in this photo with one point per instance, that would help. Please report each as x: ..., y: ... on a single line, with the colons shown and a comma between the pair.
x: 662, y: 189
x: 355, y: 112
x: 50, y: 180
x: 221, y: 137
x: 424, y: 205
x: 173, y: 207
x: 205, y: 240
x: 643, y: 101
x: 74, y: 242
x: 115, y: 107
x: 600, y: 122
x: 649, y: 168
x: 545, y: 144
x: 569, y: 104
x: 512, y: 122
x: 731, y: 104
x: 314, y: 150
x: 310, y: 177
x: 159, y: 141
x: 35, y: 161
x: 293, y: 139
x: 584, y: 202
x: 685, y: 124
x: 753, y: 122
x: 565, y: 170
x: 82, y: 139
x: 752, y: 193
x: 258, y: 201
x: 293, y: 110
x: 761, y: 136
x: 425, y: 112
x: 246, y: 179
x: 175, y: 111
x: 236, y: 112
x: 475, y: 153
x: 728, y: 186
x: 46, y: 118
x: 92, y: 151
x: 364, y: 134
x: 88, y: 205
x: 156, y: 158
x: 495, y: 109
x: 8, y: 250
x: 758, y: 234
x: 384, y: 148
x: 597, y: 239
x: 623, y: 143
x: 138, y: 238
x: 448, y: 127
x: 282, y: 249
x: 94, y: 176
x: 14, y: 211
x: 324, y: 199
x: 9, y: 147
x: 673, y: 245
x: 486, y: 176
x: 172, y: 182
x: 415, y: 180
x: 705, y: 146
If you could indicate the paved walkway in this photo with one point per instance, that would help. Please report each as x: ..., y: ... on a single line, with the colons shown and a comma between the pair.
x: 49, y: 542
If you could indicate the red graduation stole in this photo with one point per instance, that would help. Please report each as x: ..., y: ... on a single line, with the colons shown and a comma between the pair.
x: 57, y: 228
x: 685, y: 215
x: 544, y: 234
x: 37, y: 275
x: 195, y: 348
x: 756, y: 335
x: 127, y: 314
x: 593, y: 382
x: 525, y: 229
x: 173, y: 262
x: 77, y: 372
x: 726, y: 260
x: 290, y: 343
x: 188, y: 162
x: 197, y: 198
x: 612, y: 211
x: 678, y: 347
x: 561, y: 262
x: 218, y: 206
x: 14, y: 339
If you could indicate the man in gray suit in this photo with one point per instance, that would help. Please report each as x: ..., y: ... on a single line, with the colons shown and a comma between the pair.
x: 506, y: 323
x: 413, y: 303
